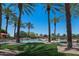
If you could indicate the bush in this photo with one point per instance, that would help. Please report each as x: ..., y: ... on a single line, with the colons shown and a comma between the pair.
x: 13, y: 47
x: 39, y: 50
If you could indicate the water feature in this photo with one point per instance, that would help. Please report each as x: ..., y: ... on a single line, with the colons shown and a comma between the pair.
x: 33, y: 41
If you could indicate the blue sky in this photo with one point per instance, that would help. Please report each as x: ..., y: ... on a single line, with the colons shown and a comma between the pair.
x: 40, y: 21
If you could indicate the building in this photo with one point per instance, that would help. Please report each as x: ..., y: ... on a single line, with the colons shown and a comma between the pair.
x: 4, y: 35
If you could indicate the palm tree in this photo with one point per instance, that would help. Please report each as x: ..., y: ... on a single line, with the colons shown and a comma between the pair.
x: 55, y: 21
x: 50, y: 7
x: 68, y: 21
x: 20, y: 6
x: 13, y: 21
x: 70, y: 9
x: 15, y: 24
x: 0, y: 18
x: 29, y: 25
x: 23, y: 8
x: 49, y: 31
x: 8, y: 12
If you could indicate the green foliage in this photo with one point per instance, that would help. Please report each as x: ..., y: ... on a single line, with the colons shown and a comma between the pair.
x: 55, y: 7
x: 29, y: 25
x: 3, y: 31
x: 39, y: 50
x: 56, y: 19
x: 26, y: 8
x: 7, y: 12
x: 36, y: 49
x: 32, y: 35
x: 13, y: 47
x: 23, y: 34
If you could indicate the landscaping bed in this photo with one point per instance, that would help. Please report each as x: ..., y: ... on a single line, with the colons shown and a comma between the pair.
x: 35, y: 49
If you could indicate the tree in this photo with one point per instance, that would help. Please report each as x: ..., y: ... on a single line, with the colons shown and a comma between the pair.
x: 3, y: 31
x: 55, y: 21
x: 13, y: 21
x: 49, y: 31
x: 70, y: 10
x: 23, y: 8
x: 68, y: 22
x: 50, y: 7
x: 23, y: 34
x: 29, y: 25
x: 0, y: 18
x: 8, y: 12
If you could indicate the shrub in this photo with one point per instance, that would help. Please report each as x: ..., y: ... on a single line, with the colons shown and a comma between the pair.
x: 39, y: 50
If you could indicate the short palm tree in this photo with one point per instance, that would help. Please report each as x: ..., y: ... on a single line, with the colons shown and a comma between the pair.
x: 8, y: 12
x: 26, y: 8
x: 13, y: 21
x: 55, y: 21
x: 29, y: 25
x: 51, y: 7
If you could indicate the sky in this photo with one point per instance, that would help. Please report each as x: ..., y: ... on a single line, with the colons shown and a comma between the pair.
x: 39, y: 19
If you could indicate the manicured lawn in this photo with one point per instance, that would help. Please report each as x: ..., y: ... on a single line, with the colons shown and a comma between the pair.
x: 36, y: 49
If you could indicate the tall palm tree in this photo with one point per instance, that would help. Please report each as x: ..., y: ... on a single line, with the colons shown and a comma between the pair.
x: 8, y: 12
x: 55, y: 21
x: 49, y: 31
x: 23, y: 8
x: 69, y: 9
x: 20, y: 6
x: 29, y: 25
x: 15, y: 24
x: 0, y: 18
x: 13, y: 21
x: 50, y: 7
x: 68, y: 21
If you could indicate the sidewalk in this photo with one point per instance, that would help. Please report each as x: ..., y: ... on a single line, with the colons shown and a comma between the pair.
x: 71, y: 51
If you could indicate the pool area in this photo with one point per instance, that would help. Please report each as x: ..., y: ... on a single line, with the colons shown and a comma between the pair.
x: 33, y: 41
x: 23, y: 41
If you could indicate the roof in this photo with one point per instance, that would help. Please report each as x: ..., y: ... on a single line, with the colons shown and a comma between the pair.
x: 4, y: 34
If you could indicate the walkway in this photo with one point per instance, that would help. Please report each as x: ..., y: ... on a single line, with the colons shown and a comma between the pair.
x: 74, y: 50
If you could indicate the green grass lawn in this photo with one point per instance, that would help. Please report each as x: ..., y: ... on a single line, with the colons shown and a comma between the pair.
x: 36, y: 49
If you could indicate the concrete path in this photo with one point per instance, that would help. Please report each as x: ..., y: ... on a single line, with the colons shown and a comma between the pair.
x: 71, y: 51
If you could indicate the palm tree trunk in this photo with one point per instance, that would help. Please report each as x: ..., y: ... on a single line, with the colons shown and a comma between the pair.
x: 55, y: 31
x: 19, y: 22
x: 14, y: 30
x: 49, y: 31
x: 28, y: 32
x: 0, y: 18
x: 7, y: 18
x: 68, y: 21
